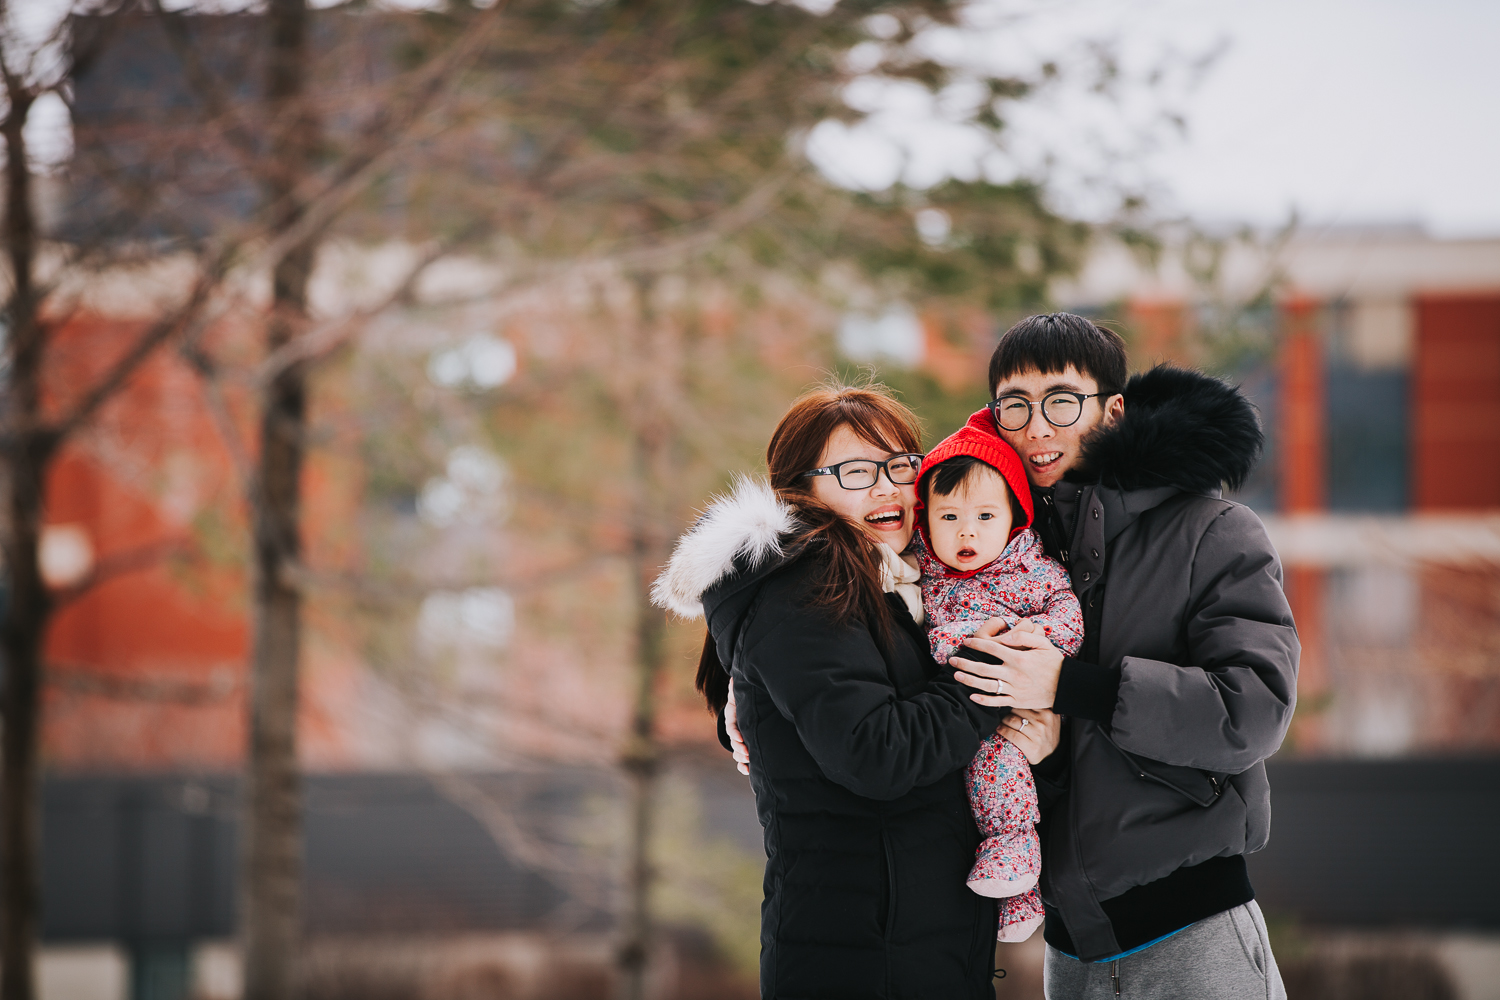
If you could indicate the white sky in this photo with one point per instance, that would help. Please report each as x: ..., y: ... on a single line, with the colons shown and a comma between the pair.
x: 1349, y: 111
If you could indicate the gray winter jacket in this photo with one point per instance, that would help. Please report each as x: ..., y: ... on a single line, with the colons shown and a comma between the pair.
x: 1187, y: 679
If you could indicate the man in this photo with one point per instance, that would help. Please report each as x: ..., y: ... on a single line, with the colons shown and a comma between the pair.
x: 1186, y: 680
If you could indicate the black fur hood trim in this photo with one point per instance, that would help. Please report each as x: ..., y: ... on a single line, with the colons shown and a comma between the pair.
x: 1181, y: 428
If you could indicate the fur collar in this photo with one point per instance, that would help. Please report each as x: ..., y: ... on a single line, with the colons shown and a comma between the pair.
x: 743, y: 526
x: 1182, y: 429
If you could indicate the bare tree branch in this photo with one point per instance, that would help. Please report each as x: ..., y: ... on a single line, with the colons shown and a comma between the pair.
x: 327, y: 337
x: 218, y: 409
x: 157, y: 334
x: 91, y: 680
x: 389, y: 132
x: 650, y: 255
x: 395, y: 592
x: 117, y: 564
x: 207, y: 86
x: 498, y: 818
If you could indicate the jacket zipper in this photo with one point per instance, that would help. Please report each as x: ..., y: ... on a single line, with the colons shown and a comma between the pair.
x: 890, y: 905
x: 1179, y: 789
x: 890, y: 879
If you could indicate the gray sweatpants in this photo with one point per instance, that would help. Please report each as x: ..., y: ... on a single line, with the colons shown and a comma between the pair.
x: 1226, y: 957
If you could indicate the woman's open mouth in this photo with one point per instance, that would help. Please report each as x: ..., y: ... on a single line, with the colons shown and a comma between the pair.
x: 887, y: 518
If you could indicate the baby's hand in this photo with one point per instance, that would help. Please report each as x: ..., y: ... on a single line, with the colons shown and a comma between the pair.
x: 998, y: 626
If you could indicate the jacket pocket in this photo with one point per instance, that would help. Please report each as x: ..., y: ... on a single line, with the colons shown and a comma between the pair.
x: 1202, y: 788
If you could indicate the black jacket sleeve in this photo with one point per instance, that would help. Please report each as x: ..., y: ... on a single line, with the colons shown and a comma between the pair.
x: 1051, y: 774
x: 1086, y: 691
x: 833, y: 684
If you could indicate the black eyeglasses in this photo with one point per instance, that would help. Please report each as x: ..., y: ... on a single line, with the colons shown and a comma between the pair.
x: 1061, y: 408
x: 862, y: 473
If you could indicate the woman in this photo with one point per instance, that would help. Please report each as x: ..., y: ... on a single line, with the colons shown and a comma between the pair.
x: 857, y: 739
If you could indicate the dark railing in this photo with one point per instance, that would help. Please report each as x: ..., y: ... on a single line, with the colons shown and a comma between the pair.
x: 150, y: 862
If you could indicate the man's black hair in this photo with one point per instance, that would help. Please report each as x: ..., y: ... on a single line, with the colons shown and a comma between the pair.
x: 1050, y: 343
x: 950, y: 474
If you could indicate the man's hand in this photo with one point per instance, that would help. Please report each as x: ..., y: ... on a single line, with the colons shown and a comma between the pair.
x: 1035, y: 734
x: 1027, y: 674
x: 741, y: 752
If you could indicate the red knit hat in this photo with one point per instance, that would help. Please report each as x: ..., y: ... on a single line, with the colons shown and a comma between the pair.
x: 979, y: 439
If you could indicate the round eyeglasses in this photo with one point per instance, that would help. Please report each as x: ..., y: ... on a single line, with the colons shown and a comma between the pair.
x: 862, y: 473
x: 1061, y: 408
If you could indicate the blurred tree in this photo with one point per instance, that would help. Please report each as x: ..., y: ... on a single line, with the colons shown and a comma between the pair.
x: 27, y: 453
x: 306, y: 179
x: 135, y: 200
x: 33, y: 427
x: 270, y: 882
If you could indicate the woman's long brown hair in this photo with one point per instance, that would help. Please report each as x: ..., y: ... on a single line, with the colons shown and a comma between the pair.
x: 849, y: 587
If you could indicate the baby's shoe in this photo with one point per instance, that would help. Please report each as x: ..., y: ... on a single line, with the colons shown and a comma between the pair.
x: 1020, y: 916
x: 1007, y: 865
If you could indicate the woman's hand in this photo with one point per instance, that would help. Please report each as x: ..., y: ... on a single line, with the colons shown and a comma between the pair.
x: 741, y: 752
x: 1026, y: 677
x: 1035, y: 734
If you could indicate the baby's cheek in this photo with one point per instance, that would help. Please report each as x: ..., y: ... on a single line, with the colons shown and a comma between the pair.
x: 942, y: 545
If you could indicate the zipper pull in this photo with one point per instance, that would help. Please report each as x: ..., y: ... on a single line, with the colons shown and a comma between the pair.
x: 1114, y: 976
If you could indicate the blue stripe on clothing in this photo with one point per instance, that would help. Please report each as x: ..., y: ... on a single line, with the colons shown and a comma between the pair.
x: 1133, y: 951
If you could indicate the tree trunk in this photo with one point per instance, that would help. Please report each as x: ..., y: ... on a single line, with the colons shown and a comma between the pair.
x: 27, y: 604
x: 642, y: 763
x: 655, y: 372
x: 272, y: 873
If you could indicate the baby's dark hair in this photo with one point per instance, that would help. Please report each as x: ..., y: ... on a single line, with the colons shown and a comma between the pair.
x: 950, y: 475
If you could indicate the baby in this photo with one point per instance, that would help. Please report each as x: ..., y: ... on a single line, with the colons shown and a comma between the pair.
x: 981, y: 560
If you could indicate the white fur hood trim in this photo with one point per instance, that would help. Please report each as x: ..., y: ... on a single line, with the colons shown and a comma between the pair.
x: 747, y: 521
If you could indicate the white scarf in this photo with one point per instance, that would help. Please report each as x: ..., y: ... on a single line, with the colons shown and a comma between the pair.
x: 899, y: 578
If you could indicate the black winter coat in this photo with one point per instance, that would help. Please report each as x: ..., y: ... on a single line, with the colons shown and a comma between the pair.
x: 856, y: 759
x: 1188, y: 675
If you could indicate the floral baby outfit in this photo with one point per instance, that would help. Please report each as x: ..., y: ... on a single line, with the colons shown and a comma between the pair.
x: 1023, y: 582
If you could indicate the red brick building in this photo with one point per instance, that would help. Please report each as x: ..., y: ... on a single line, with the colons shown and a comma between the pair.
x: 1379, y: 384
x: 144, y: 539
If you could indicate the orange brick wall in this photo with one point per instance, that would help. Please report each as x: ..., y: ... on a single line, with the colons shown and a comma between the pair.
x: 1160, y: 330
x: 147, y: 668
x: 1303, y: 418
x: 1455, y: 411
x: 957, y: 344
